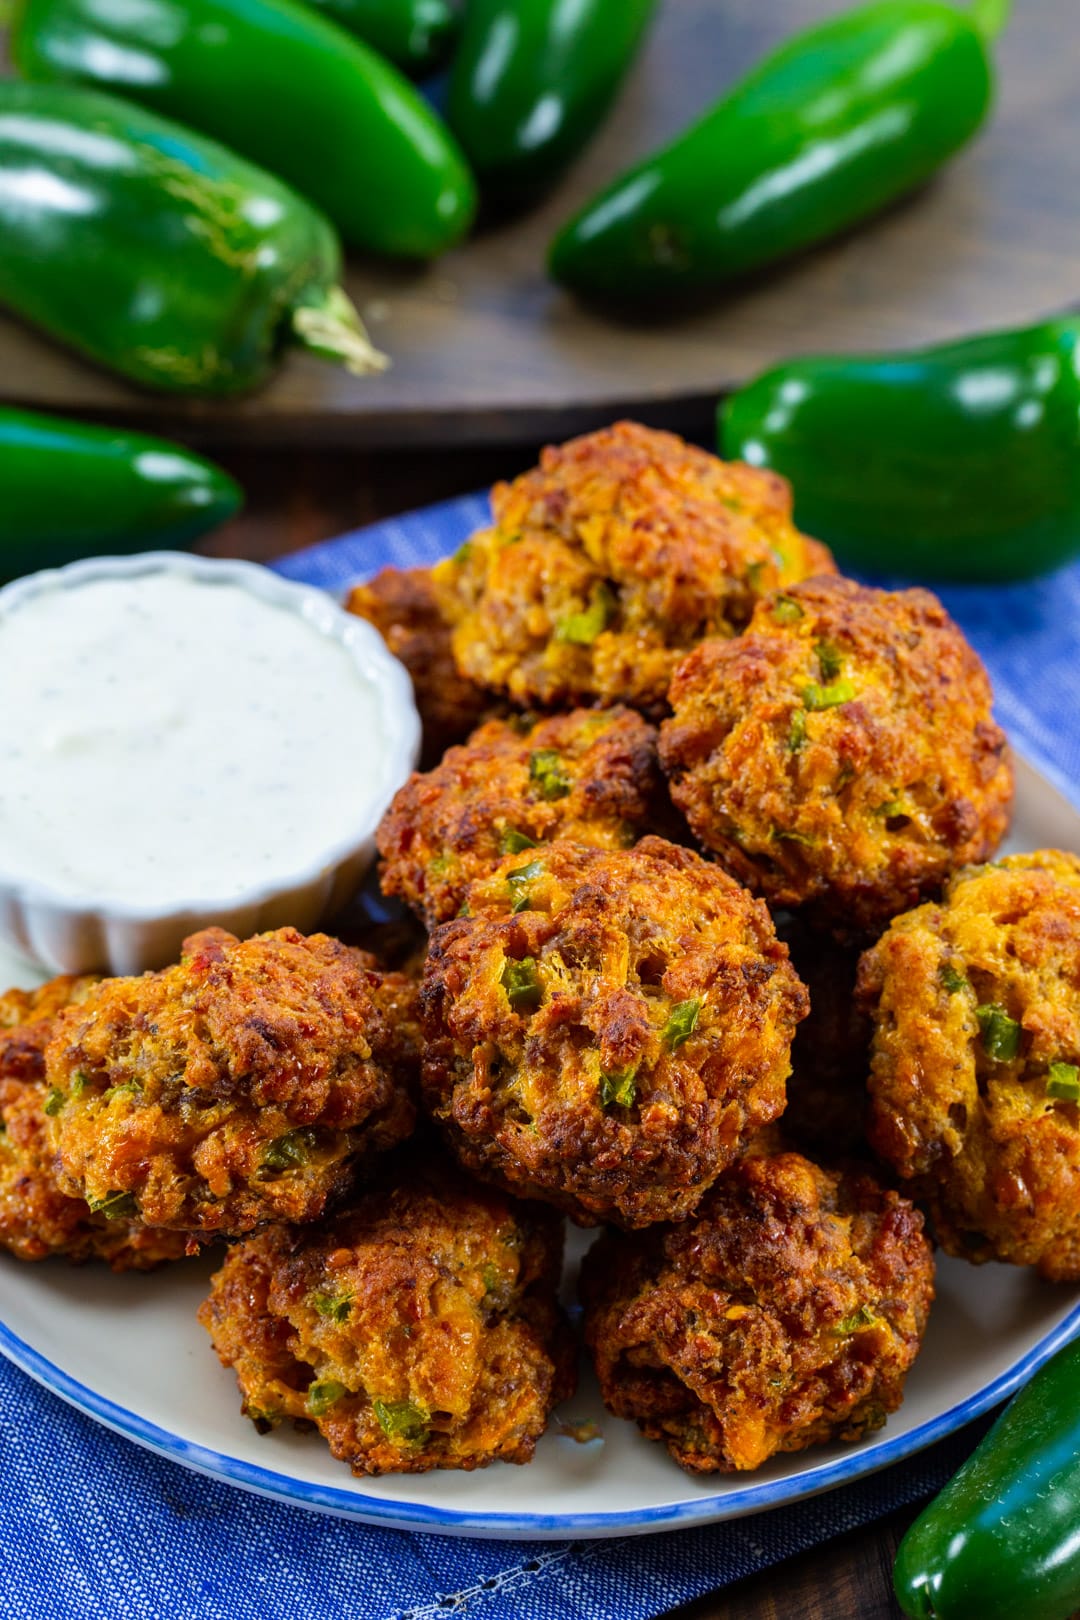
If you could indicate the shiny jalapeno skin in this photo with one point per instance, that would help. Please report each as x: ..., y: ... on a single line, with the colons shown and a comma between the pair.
x: 960, y: 462
x: 533, y: 79
x: 1000, y: 1542
x: 68, y: 490
x: 157, y: 253
x: 275, y: 81
x: 415, y: 34
x: 831, y: 128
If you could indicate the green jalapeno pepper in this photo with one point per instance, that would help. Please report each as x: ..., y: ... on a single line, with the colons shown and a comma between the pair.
x: 414, y: 34
x: 68, y: 490
x: 1001, y: 1540
x: 277, y: 82
x: 959, y: 462
x: 835, y: 125
x: 157, y: 253
x: 532, y: 80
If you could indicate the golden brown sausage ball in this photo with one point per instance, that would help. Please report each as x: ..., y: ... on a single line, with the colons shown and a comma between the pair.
x: 841, y: 755
x: 607, y: 1029
x: 402, y: 605
x: 975, y: 1083
x: 419, y: 1330
x: 591, y: 775
x: 241, y: 1086
x: 609, y: 560
x: 787, y: 1311
x: 36, y: 1218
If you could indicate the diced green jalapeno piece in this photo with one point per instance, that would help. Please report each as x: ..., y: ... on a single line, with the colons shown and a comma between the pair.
x: 1000, y: 1033
x: 519, y: 881
x: 1063, y: 1082
x: 521, y: 981
x: 618, y: 1086
x: 827, y: 697
x: 54, y: 1101
x: 79, y: 1082
x: 862, y: 1318
x: 681, y: 1024
x: 785, y: 610
x: 830, y: 660
x: 581, y: 629
x: 951, y: 980
x: 322, y: 1394
x: 549, y: 774
x: 115, y: 1206
x: 797, y: 732
x: 788, y: 835
x: 335, y: 1307
x: 440, y: 864
x: 512, y: 842
x: 288, y: 1151
x: 401, y: 1420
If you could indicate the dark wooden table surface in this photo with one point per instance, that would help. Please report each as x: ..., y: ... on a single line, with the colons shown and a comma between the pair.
x: 297, y: 498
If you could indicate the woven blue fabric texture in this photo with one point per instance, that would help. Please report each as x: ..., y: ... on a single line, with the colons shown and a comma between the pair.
x: 92, y: 1528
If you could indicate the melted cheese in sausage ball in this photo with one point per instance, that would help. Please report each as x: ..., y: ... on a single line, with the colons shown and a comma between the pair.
x: 37, y: 1219
x: 975, y: 1081
x: 419, y: 1330
x: 786, y: 1312
x: 842, y: 755
x: 246, y: 1084
x: 607, y: 1029
x: 591, y: 775
x: 609, y: 560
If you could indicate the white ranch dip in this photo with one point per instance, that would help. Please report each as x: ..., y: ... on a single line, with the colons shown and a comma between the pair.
x: 165, y: 739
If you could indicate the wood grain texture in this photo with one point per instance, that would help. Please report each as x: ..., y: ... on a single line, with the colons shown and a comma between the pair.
x: 486, y: 350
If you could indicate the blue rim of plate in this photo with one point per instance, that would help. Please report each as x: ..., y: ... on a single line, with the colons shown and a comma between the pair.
x: 410, y: 1516
x: 421, y: 537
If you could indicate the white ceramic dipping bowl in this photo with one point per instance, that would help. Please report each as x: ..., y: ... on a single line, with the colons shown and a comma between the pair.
x: 68, y: 934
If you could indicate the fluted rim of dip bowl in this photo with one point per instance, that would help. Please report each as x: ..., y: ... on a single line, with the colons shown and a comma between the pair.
x: 65, y: 934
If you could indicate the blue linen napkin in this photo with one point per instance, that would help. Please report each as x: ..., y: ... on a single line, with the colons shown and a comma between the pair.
x: 92, y: 1528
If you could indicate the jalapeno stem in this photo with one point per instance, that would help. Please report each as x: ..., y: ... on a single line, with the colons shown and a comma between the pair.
x: 328, y: 323
x: 989, y: 16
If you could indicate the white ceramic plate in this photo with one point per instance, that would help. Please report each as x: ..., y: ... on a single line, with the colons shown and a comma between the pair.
x: 129, y: 1352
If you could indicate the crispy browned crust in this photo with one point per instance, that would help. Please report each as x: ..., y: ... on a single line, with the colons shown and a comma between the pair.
x: 241, y: 1086
x: 26, y: 1023
x: 431, y: 1291
x: 980, y: 1139
x: 602, y: 785
x: 830, y: 1057
x: 36, y: 1219
x: 785, y: 1312
x: 619, y: 940
x: 678, y: 544
x: 401, y: 604
x: 854, y: 811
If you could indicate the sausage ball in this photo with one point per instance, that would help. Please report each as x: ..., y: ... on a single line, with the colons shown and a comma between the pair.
x: 419, y: 1330
x: 830, y: 1057
x: 36, y: 1219
x: 591, y: 775
x: 241, y: 1086
x: 975, y: 1079
x: 401, y: 604
x: 607, y: 1029
x: 786, y: 1312
x: 841, y: 756
x: 609, y: 560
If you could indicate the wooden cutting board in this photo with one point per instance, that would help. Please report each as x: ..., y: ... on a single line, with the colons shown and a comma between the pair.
x: 485, y: 349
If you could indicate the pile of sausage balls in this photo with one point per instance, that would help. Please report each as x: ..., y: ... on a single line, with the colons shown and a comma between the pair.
x: 707, y: 954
